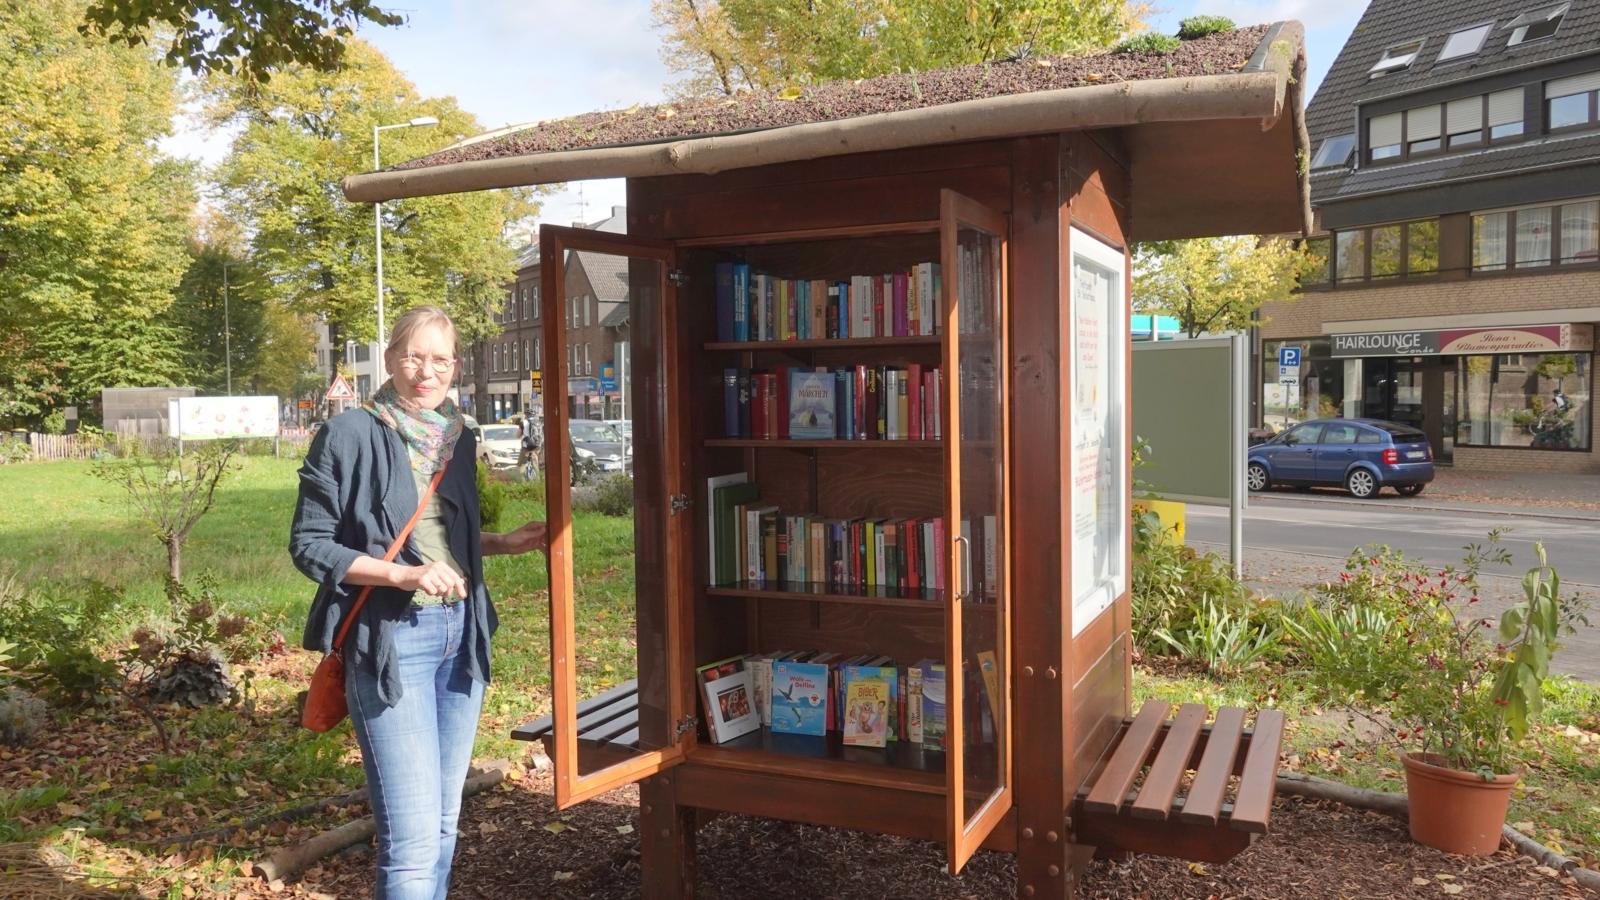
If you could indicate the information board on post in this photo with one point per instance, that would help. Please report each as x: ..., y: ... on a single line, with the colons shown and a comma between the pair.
x: 219, y: 418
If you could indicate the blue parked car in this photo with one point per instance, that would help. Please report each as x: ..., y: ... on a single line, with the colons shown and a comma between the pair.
x: 1363, y: 455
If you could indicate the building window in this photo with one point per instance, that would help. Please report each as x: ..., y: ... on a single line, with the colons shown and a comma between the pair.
x: 1384, y: 137
x: 527, y: 356
x: 1422, y: 247
x: 587, y: 369
x: 1396, y: 58
x: 1321, y: 250
x: 588, y: 310
x: 1335, y: 151
x: 1505, y: 114
x: 1536, y: 400
x: 1422, y: 130
x: 536, y: 303
x: 1463, y: 122
x: 1382, y: 252
x: 538, y: 361
x: 1466, y: 42
x: 1536, y: 25
x: 1350, y: 256
x: 1570, y: 102
x: 1536, y: 237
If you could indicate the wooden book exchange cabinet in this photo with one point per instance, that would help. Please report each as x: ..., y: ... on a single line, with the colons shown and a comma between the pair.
x: 1017, y: 447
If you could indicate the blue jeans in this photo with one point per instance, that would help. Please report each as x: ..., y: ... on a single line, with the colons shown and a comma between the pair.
x: 416, y: 753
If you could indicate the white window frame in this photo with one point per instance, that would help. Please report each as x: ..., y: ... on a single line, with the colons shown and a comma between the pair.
x: 1395, y: 57
x: 1520, y: 25
x: 1482, y: 29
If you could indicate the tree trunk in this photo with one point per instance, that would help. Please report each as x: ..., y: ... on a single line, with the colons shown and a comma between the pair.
x: 175, y: 558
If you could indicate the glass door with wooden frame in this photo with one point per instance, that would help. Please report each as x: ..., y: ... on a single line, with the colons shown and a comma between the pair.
x: 616, y: 583
x: 977, y: 661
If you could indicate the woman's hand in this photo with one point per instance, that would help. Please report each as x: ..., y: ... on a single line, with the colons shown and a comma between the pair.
x: 436, y: 579
x: 532, y: 536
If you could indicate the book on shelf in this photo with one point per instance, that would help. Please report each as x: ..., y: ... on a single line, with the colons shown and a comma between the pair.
x: 760, y: 666
x: 761, y: 306
x: 799, y: 697
x: 913, y: 704
x: 866, y: 712
x: 812, y: 404
x: 729, y: 697
x: 724, y: 494
x: 882, y: 669
x: 933, y: 702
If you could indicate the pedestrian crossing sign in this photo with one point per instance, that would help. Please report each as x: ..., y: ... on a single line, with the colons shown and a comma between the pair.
x: 340, y: 389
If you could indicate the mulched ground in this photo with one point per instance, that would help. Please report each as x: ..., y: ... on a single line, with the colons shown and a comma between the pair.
x: 515, y: 844
x: 1214, y: 55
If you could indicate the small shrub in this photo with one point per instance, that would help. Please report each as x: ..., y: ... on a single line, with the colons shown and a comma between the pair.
x: 1225, y: 637
x: 525, y: 490
x: 22, y: 715
x: 57, y: 632
x: 55, y: 422
x: 14, y: 451
x: 491, y: 498
x: 1201, y: 26
x: 1149, y: 43
x: 611, y: 495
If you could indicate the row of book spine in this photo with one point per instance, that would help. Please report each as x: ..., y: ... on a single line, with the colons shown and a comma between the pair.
x: 755, y: 306
x: 811, y: 692
x: 843, y: 403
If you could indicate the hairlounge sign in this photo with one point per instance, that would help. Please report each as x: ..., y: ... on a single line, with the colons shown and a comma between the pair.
x: 1464, y: 341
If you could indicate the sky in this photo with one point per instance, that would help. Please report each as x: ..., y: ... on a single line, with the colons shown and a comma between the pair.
x: 512, y: 61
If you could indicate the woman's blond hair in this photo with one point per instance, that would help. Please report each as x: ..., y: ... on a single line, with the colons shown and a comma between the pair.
x: 420, y: 317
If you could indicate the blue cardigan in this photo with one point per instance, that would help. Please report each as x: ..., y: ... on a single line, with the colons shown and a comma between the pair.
x: 356, y: 493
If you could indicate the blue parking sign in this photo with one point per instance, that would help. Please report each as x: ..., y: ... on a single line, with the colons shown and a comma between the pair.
x: 1289, y: 357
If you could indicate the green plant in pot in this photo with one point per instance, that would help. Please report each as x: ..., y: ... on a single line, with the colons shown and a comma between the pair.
x: 1456, y: 692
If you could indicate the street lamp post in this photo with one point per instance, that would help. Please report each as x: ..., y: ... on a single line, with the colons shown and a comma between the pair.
x: 377, y: 233
x: 227, y: 330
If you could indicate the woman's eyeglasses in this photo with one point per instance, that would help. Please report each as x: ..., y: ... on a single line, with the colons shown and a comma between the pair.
x: 411, y: 362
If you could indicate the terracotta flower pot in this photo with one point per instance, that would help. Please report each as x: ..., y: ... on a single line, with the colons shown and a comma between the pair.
x: 1452, y: 810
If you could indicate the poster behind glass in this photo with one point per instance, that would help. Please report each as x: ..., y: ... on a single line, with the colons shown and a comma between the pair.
x: 1098, y: 428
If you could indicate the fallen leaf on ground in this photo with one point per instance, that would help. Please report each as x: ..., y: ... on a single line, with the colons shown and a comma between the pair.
x: 556, y: 827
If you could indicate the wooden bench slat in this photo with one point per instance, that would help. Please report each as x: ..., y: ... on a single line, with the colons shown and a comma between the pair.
x: 628, y: 740
x: 1112, y: 786
x: 1204, y: 803
x: 542, y: 726
x: 1161, y: 783
x: 604, y: 732
x: 1258, y: 783
x: 599, y: 715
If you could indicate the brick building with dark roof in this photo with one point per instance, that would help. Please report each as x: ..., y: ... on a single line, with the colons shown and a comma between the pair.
x: 503, y: 367
x: 1455, y: 178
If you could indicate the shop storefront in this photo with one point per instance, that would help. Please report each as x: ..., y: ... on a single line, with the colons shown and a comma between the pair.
x: 1514, y: 387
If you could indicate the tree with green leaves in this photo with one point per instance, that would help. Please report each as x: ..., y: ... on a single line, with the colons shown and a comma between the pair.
x: 722, y: 46
x: 92, y: 244
x: 1217, y: 284
x: 250, y: 37
x: 221, y: 316
x: 312, y: 249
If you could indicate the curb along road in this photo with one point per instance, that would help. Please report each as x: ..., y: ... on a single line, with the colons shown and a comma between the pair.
x: 1528, y: 512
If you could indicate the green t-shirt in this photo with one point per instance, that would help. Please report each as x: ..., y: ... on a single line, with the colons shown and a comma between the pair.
x: 431, y: 539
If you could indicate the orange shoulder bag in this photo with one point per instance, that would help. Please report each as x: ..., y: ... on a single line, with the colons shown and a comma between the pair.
x: 325, y: 703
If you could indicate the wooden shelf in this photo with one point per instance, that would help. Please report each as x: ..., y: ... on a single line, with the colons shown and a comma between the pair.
x: 825, y: 593
x: 915, y: 340
x: 833, y: 444
x: 901, y: 765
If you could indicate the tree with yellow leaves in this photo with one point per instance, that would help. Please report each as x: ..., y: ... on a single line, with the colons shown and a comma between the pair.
x: 1215, y: 284
x: 723, y: 46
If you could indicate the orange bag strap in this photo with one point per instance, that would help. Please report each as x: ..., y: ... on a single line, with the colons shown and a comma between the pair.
x: 394, y: 550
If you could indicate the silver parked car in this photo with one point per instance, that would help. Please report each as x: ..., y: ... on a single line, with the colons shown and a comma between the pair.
x: 600, y: 444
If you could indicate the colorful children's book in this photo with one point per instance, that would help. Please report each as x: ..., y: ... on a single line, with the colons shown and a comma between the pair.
x: 799, y: 698
x: 867, y: 708
x: 811, y: 405
x: 933, y: 704
x: 882, y: 669
x: 914, y: 704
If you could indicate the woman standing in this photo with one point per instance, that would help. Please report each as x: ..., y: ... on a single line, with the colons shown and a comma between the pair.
x: 417, y: 658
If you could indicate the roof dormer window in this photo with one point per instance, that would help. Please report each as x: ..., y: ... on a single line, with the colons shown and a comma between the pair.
x: 1335, y: 151
x: 1537, y: 24
x: 1397, y: 57
x: 1466, y: 42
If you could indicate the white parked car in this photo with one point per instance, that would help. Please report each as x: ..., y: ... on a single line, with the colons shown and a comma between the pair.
x: 500, y: 445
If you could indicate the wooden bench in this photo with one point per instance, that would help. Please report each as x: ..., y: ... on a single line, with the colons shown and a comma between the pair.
x: 608, y: 728
x: 1209, y: 817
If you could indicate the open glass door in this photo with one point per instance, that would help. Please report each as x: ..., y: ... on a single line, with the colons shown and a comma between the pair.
x: 615, y: 590
x: 977, y: 661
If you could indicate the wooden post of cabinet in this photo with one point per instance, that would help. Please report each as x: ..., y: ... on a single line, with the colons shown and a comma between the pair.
x: 1036, y: 548
x: 666, y: 841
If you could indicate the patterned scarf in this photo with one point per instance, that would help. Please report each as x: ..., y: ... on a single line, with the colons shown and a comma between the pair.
x: 429, y: 434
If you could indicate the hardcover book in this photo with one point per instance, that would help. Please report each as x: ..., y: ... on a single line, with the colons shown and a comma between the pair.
x: 866, y: 712
x: 799, y: 698
x: 933, y: 703
x: 724, y: 494
x: 881, y: 669
x: 811, y: 405
x: 725, y: 297
x: 730, y: 706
